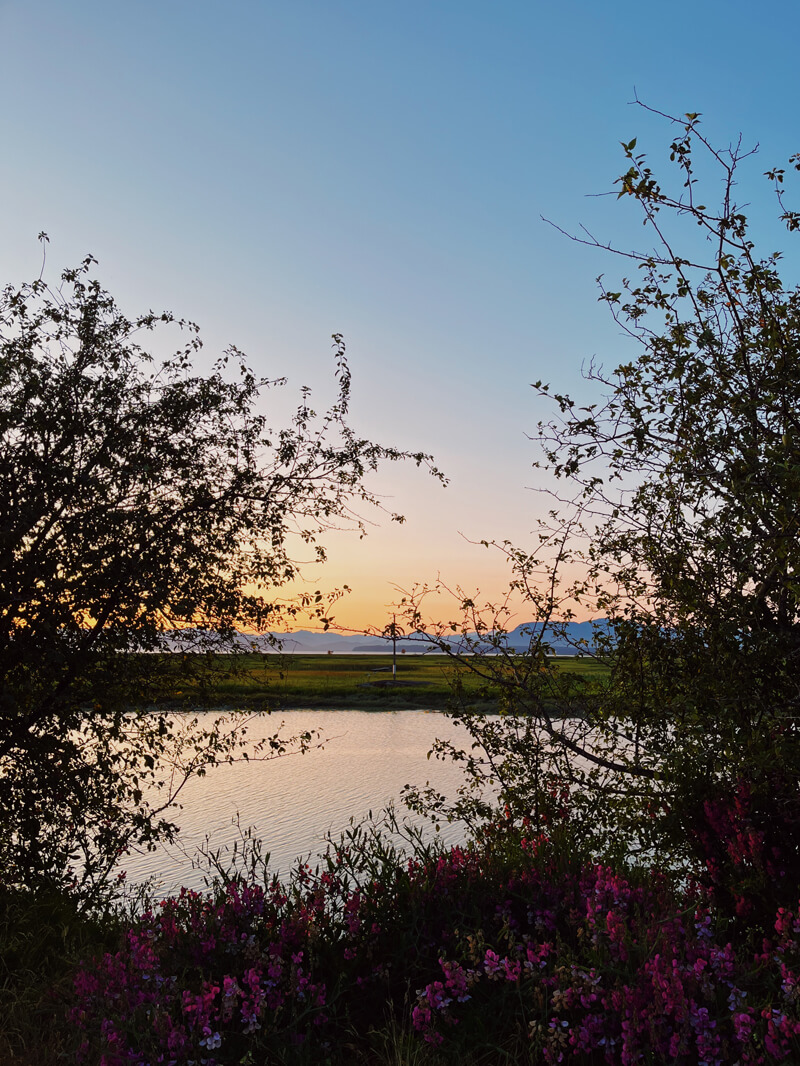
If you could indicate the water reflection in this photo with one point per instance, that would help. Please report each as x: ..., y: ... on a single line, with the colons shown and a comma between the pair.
x: 292, y: 802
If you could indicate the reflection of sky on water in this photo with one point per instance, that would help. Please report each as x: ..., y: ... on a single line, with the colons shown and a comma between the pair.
x: 292, y: 802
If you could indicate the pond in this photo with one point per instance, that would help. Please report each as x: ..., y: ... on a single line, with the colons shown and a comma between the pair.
x: 294, y: 801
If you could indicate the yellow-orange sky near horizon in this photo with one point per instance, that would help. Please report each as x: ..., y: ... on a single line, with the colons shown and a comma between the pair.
x: 430, y: 548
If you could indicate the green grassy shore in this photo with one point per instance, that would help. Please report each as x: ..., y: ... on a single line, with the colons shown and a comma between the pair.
x: 360, y: 682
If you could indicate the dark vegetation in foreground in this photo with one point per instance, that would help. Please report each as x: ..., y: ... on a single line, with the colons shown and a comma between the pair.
x: 516, y: 949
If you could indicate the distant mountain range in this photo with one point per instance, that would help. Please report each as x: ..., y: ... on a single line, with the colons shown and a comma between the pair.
x: 572, y: 638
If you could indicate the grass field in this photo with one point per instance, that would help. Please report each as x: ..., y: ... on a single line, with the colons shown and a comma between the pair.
x: 362, y: 681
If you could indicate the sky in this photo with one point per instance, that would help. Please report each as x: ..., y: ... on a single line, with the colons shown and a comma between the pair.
x: 280, y: 172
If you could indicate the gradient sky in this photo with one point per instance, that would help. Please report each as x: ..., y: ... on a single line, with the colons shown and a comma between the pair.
x: 279, y: 172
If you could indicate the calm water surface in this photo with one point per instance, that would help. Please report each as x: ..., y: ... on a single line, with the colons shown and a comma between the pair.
x: 294, y: 801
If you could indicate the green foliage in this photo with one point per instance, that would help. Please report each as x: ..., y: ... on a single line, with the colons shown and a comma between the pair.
x: 681, y: 513
x: 138, y: 499
x: 690, y: 471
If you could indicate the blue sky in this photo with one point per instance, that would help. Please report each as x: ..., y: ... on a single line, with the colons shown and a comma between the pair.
x: 279, y: 172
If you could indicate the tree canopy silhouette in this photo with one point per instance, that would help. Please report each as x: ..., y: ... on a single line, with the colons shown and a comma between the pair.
x: 138, y: 497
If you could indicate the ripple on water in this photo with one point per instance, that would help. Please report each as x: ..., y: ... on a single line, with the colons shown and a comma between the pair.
x: 294, y: 801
